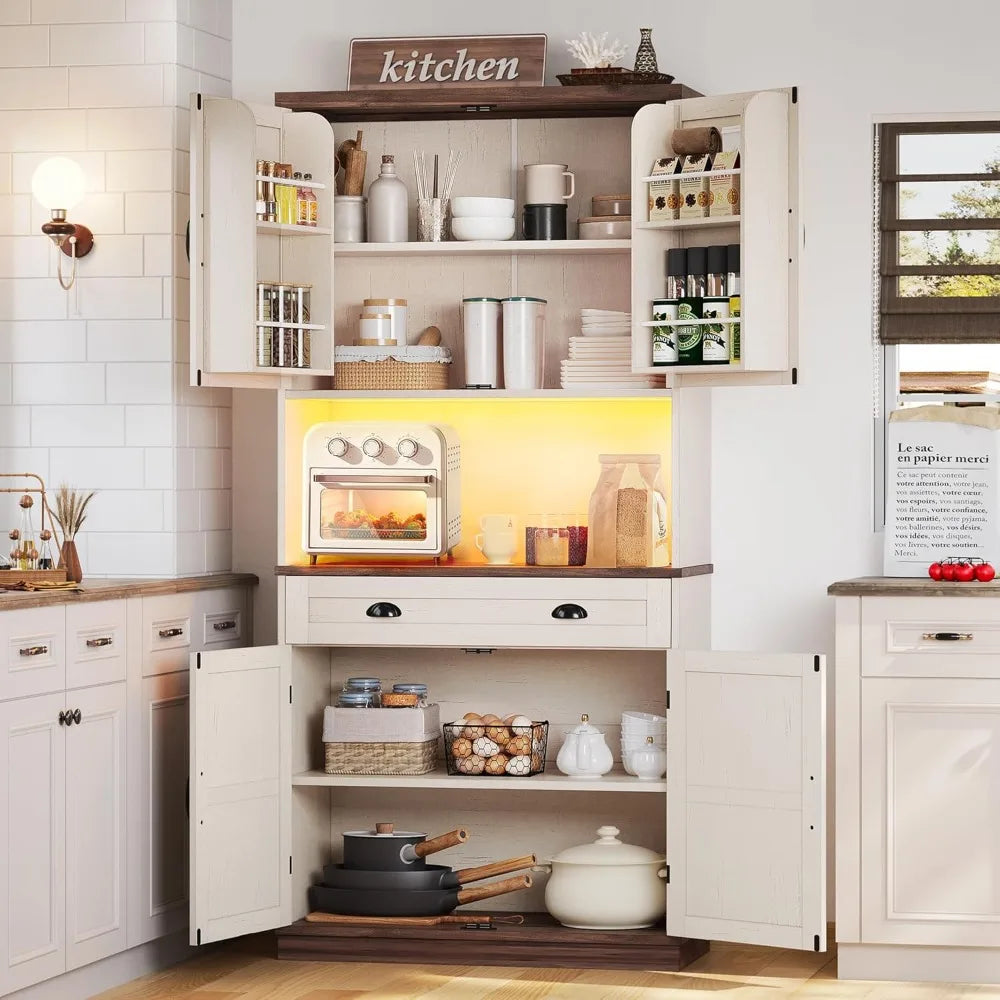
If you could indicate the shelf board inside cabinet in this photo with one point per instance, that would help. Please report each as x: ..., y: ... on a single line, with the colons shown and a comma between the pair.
x: 455, y: 568
x: 445, y: 103
x: 713, y: 222
x: 549, y: 781
x: 284, y: 229
x: 475, y: 248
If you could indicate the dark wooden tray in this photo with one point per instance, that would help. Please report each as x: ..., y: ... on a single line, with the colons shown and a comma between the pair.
x: 539, y: 943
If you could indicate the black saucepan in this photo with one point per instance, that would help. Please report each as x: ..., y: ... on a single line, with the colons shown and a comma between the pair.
x: 429, y: 877
x: 384, y: 849
x: 417, y: 903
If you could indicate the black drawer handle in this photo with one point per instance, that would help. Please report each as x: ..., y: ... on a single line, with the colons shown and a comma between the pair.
x: 103, y: 641
x: 33, y: 650
x: 947, y: 636
x: 569, y: 611
x: 383, y: 609
x: 223, y: 626
x: 169, y: 633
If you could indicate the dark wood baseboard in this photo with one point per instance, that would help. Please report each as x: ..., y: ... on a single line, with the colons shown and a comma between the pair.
x: 539, y: 943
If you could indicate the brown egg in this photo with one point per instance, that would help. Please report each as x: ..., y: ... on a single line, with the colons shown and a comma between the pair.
x: 461, y: 747
x: 518, y: 746
x: 497, y: 764
x: 475, y: 728
x: 499, y: 734
x: 491, y: 718
x: 471, y: 765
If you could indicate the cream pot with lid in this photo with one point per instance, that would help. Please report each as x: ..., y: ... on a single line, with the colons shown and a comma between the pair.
x: 606, y: 885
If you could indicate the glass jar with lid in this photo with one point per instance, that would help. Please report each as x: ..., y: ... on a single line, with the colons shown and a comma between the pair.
x: 420, y: 690
x: 357, y: 699
x: 370, y: 686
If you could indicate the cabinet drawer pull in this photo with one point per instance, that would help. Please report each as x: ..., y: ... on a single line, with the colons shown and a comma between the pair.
x: 569, y: 611
x: 947, y: 636
x: 169, y: 633
x: 383, y: 609
x: 223, y: 626
x: 34, y: 650
x: 105, y: 640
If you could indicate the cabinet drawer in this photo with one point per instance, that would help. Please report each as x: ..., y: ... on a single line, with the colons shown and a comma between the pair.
x: 220, y: 619
x: 166, y: 633
x: 930, y: 637
x: 519, y: 612
x: 34, y: 651
x: 95, y: 643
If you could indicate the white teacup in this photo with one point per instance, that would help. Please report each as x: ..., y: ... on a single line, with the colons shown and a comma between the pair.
x: 498, y: 546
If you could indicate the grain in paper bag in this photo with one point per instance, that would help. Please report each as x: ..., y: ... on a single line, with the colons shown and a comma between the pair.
x: 629, y: 519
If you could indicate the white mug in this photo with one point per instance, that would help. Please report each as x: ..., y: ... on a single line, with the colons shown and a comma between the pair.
x: 498, y: 546
x: 544, y: 184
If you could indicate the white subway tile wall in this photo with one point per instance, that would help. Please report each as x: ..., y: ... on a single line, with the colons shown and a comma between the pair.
x: 93, y: 383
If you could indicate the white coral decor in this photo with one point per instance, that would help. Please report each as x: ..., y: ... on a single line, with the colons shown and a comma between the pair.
x: 593, y: 52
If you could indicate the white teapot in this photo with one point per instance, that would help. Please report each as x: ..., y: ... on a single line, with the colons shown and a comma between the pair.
x: 584, y: 754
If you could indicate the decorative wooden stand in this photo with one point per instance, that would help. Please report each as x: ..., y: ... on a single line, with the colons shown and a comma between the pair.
x: 539, y: 942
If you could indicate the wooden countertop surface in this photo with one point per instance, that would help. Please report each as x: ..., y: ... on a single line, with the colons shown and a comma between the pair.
x: 115, y: 589
x: 458, y: 569
x: 896, y: 586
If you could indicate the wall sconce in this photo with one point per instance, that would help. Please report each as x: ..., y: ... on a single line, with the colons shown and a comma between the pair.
x: 59, y: 184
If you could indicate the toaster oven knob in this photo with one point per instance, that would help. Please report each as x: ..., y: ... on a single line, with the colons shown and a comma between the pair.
x: 337, y: 447
x: 372, y: 447
x: 407, y: 447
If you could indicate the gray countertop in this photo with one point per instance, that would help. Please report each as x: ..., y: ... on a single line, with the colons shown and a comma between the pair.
x: 915, y: 586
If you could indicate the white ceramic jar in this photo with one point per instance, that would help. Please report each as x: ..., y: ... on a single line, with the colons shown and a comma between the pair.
x: 397, y: 311
x: 584, y: 754
x: 523, y: 342
x: 481, y: 329
x: 606, y: 885
x: 348, y: 218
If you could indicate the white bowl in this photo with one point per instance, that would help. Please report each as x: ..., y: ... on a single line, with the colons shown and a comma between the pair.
x: 482, y: 229
x: 467, y: 207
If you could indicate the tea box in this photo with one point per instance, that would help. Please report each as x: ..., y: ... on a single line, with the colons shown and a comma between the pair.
x: 724, y: 188
x: 694, y: 191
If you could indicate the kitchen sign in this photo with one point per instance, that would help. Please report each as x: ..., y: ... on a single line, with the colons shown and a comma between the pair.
x: 942, y: 486
x: 455, y: 61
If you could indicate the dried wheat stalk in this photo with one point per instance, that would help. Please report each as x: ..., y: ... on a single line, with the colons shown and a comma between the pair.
x: 71, y: 510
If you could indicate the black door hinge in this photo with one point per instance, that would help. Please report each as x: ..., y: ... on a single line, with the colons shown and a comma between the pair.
x: 795, y: 376
x: 199, y: 935
x: 668, y: 699
x: 289, y: 694
x: 199, y: 108
x: 199, y: 376
x: 795, y: 95
x: 668, y: 874
x: 816, y: 664
x: 815, y: 942
x: 289, y: 864
x: 197, y: 661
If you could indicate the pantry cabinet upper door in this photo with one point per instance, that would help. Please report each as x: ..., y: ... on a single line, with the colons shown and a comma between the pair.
x: 223, y: 236
x: 241, y: 786
x: 746, y: 817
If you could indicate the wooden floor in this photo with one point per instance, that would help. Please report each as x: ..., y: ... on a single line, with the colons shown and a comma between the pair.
x: 728, y: 972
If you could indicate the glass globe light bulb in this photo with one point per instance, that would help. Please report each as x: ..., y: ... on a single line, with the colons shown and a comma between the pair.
x: 58, y: 183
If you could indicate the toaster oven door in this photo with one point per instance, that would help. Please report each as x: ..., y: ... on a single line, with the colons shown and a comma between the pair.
x: 362, y: 512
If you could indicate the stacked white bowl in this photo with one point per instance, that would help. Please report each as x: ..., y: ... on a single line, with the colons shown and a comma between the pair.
x: 474, y: 218
x: 637, y: 727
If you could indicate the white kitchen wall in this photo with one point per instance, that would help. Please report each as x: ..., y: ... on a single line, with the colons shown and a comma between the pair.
x: 93, y: 383
x: 792, y: 466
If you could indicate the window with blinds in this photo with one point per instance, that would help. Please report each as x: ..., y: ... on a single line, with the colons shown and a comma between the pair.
x: 939, y: 254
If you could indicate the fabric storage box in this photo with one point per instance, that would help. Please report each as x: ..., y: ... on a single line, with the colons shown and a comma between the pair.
x: 380, y: 740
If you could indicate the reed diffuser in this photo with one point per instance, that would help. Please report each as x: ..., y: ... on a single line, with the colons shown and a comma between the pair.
x: 70, y: 513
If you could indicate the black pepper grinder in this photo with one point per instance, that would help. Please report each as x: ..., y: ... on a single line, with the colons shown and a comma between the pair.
x: 689, y: 335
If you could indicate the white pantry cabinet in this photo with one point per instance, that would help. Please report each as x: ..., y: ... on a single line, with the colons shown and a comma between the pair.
x: 918, y: 739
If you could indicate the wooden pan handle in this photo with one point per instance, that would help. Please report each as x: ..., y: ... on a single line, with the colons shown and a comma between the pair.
x: 494, y: 889
x: 340, y: 918
x: 497, y: 868
x: 446, y: 840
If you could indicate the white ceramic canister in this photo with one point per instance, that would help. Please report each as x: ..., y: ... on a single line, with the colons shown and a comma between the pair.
x: 349, y: 218
x: 523, y: 342
x: 375, y: 328
x: 481, y: 326
x: 396, y: 310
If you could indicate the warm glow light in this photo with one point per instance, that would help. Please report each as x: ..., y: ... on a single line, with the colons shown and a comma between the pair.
x: 58, y: 183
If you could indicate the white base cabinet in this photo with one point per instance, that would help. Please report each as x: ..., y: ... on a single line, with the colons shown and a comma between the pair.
x: 918, y: 821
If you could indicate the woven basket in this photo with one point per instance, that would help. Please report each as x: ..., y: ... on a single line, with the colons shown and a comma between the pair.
x: 390, y: 374
x: 380, y: 758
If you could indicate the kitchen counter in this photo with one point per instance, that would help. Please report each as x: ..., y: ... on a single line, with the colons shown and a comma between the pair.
x: 111, y: 590
x: 459, y: 569
x: 915, y: 586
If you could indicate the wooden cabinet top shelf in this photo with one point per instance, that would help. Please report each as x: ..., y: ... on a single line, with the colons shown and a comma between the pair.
x: 446, y: 569
x: 438, y: 104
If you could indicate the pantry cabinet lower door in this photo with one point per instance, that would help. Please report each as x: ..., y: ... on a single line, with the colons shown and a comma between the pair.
x: 158, y: 839
x: 95, y: 825
x: 241, y: 792
x: 746, y: 810
x: 930, y: 811
x: 32, y: 842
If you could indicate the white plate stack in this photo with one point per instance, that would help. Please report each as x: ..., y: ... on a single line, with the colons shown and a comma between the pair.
x: 602, y: 357
x: 636, y: 728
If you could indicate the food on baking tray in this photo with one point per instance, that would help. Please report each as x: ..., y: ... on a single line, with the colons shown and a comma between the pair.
x: 361, y: 524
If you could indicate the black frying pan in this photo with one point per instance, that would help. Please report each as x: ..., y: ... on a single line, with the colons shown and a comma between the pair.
x: 384, y: 849
x: 415, y: 903
x: 429, y: 877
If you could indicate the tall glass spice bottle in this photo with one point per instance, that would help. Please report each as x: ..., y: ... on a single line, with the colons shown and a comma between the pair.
x: 312, y: 205
x: 665, y: 337
x: 689, y: 335
x: 715, y: 305
x: 28, y: 551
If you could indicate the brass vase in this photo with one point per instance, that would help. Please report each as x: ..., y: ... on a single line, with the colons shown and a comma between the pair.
x: 69, y: 560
